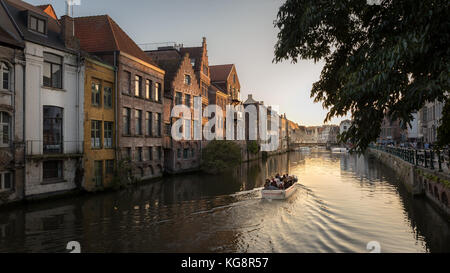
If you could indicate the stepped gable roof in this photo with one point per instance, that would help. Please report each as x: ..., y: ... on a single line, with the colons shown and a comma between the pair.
x: 170, y: 64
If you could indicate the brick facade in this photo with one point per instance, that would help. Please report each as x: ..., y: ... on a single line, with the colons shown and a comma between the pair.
x: 146, y: 166
x: 181, y: 83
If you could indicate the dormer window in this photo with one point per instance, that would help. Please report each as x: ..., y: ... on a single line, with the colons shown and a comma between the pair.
x: 37, y: 24
x: 187, y: 79
x: 5, y: 76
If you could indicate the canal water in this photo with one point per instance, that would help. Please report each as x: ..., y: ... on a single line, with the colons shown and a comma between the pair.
x: 343, y: 202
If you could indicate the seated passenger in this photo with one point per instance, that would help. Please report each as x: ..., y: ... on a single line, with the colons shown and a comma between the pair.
x: 279, y: 183
x: 273, y: 183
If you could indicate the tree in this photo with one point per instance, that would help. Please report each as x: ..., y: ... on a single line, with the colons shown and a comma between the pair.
x: 221, y: 156
x: 253, y: 147
x: 380, y: 59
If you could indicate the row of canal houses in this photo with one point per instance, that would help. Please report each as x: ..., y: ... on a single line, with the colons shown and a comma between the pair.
x: 78, y: 95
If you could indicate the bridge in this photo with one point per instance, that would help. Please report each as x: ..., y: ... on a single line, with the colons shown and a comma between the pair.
x: 308, y: 144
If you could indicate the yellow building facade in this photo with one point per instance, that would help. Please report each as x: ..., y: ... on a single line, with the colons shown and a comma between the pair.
x: 99, y: 125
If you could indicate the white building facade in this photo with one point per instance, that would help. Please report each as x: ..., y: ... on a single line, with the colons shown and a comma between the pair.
x: 53, y: 108
x: 53, y: 120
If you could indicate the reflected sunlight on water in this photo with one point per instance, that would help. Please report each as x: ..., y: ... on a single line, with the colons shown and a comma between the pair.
x: 343, y: 202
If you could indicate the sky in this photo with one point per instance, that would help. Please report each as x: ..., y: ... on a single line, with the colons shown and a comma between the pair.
x: 237, y: 31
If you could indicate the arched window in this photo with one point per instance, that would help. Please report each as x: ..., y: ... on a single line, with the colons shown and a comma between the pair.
x: 5, y: 129
x: 5, y: 76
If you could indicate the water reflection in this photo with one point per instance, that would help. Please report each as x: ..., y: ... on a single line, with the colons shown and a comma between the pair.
x: 344, y: 202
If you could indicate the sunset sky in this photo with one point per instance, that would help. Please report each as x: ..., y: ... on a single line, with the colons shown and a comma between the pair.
x: 239, y: 32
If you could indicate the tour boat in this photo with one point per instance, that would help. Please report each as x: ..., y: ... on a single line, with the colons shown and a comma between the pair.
x: 304, y: 149
x: 280, y: 194
x: 339, y: 150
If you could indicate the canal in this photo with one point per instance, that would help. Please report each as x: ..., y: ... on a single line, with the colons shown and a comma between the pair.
x: 344, y: 201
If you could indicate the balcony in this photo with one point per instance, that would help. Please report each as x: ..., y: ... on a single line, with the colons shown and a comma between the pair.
x: 38, y: 149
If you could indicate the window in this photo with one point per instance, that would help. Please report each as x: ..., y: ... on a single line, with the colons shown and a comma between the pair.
x: 6, y: 181
x: 52, y: 170
x: 126, y: 121
x: 193, y: 62
x: 168, y: 129
x: 187, y: 100
x: 139, y: 154
x: 234, y: 78
x: 53, y: 129
x: 149, y: 155
x: 148, y: 123
x: 109, y: 167
x: 127, y: 82
x: 187, y: 79
x: 96, y: 127
x: 52, y: 70
x: 158, y: 124
x: 38, y: 25
x: 157, y: 92
x: 98, y: 173
x: 138, y: 86
x: 5, y: 76
x: 205, y: 69
x: 138, y: 117
x: 192, y: 152
x: 179, y: 153
x: 95, y: 93
x: 159, y: 153
x: 5, y: 129
x: 204, y: 90
x: 108, y: 97
x: 108, y: 134
x: 187, y: 126
x: 148, y: 89
x: 178, y: 98
x: 185, y: 153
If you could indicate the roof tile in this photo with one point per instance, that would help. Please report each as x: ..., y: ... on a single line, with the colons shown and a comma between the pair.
x: 102, y: 34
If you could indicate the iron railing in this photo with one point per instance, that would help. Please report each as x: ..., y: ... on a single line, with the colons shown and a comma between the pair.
x: 39, y: 147
x: 427, y: 158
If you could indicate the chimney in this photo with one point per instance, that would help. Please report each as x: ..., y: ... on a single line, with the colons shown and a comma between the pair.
x: 250, y: 96
x: 68, y: 8
x: 68, y: 32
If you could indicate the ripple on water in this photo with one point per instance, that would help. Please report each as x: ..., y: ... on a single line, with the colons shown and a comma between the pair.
x: 342, y: 203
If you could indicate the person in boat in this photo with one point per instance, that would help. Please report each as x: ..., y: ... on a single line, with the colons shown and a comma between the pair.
x: 288, y: 183
x: 279, y: 183
x: 269, y: 185
x: 273, y: 183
